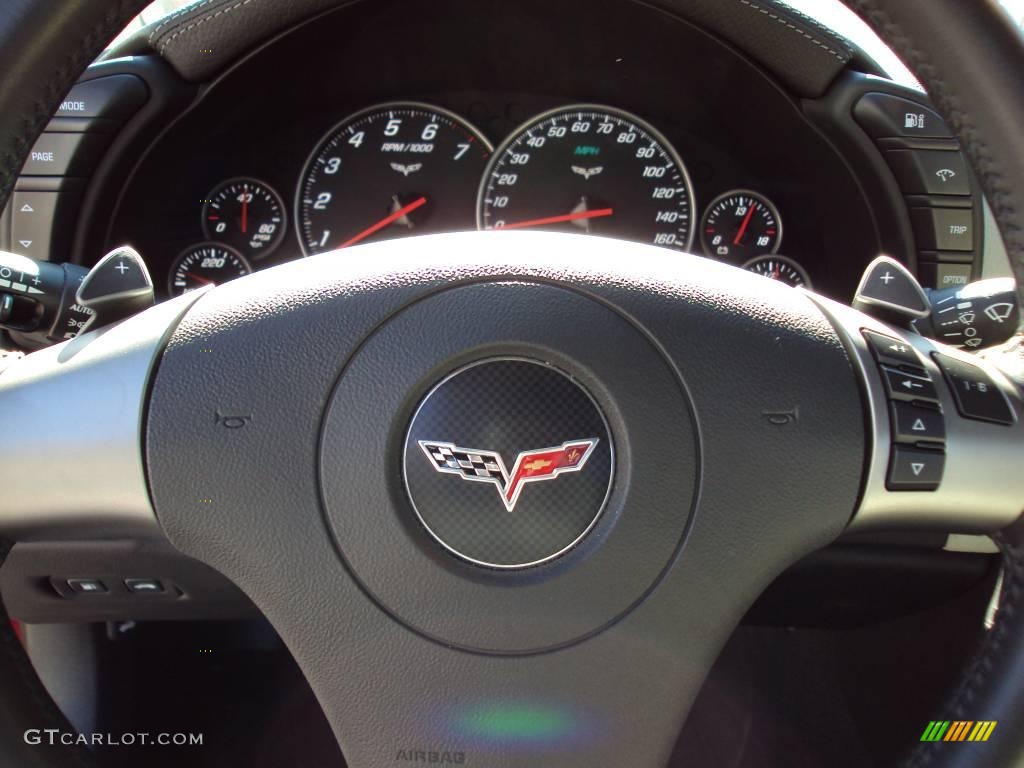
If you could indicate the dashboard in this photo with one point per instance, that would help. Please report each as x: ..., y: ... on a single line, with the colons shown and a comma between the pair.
x: 604, y: 119
x: 627, y: 123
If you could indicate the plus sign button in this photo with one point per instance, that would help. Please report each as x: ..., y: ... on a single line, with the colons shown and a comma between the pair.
x: 118, y: 273
x: 888, y: 284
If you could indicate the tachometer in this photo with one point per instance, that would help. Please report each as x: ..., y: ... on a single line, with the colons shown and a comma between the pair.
x: 391, y: 170
x: 589, y: 169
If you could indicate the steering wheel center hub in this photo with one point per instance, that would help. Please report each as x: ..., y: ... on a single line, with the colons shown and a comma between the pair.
x: 494, y: 474
x: 508, y: 463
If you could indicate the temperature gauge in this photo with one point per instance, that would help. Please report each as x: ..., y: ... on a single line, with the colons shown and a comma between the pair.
x: 740, y: 224
x: 246, y: 214
x: 781, y: 268
x: 205, y: 264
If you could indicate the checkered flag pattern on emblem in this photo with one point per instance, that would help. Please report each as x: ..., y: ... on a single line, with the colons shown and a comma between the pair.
x: 479, y: 464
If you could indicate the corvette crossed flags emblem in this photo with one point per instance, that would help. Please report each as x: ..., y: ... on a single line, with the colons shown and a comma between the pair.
x: 529, y: 467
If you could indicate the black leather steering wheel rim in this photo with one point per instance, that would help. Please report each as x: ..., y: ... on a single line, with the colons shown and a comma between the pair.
x: 966, y: 55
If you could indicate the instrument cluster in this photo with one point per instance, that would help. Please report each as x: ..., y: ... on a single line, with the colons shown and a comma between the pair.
x: 405, y: 168
x: 625, y: 123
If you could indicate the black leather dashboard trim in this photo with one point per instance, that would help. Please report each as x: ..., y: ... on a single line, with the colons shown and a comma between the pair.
x: 35, y: 78
x: 203, y: 39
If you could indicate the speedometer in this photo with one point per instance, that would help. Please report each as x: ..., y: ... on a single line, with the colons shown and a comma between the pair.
x: 390, y: 170
x: 589, y: 169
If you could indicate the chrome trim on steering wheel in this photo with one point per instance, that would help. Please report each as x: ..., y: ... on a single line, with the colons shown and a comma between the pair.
x: 72, y: 416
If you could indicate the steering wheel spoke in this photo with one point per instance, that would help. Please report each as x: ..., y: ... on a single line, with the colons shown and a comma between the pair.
x: 72, y: 420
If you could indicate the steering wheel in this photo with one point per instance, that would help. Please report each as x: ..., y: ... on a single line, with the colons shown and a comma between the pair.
x: 505, y: 496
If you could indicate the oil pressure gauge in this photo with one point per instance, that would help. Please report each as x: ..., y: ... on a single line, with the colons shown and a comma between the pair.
x: 740, y: 224
x: 246, y: 214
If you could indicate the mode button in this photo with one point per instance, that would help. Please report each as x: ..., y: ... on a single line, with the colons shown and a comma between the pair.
x: 115, y: 97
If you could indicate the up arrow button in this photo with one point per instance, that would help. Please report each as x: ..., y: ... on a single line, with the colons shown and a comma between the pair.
x: 914, y: 423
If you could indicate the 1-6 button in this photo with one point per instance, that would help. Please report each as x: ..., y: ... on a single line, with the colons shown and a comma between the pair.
x: 977, y: 396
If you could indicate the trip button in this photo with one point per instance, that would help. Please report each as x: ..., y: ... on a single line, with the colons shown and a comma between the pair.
x: 906, y: 386
x: 943, y: 229
x: 911, y: 423
x: 914, y: 469
x: 977, y: 396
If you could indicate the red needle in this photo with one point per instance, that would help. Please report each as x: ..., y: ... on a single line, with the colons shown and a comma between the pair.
x: 558, y: 219
x: 743, y: 226
x: 199, y: 279
x: 245, y: 209
x: 385, y: 221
